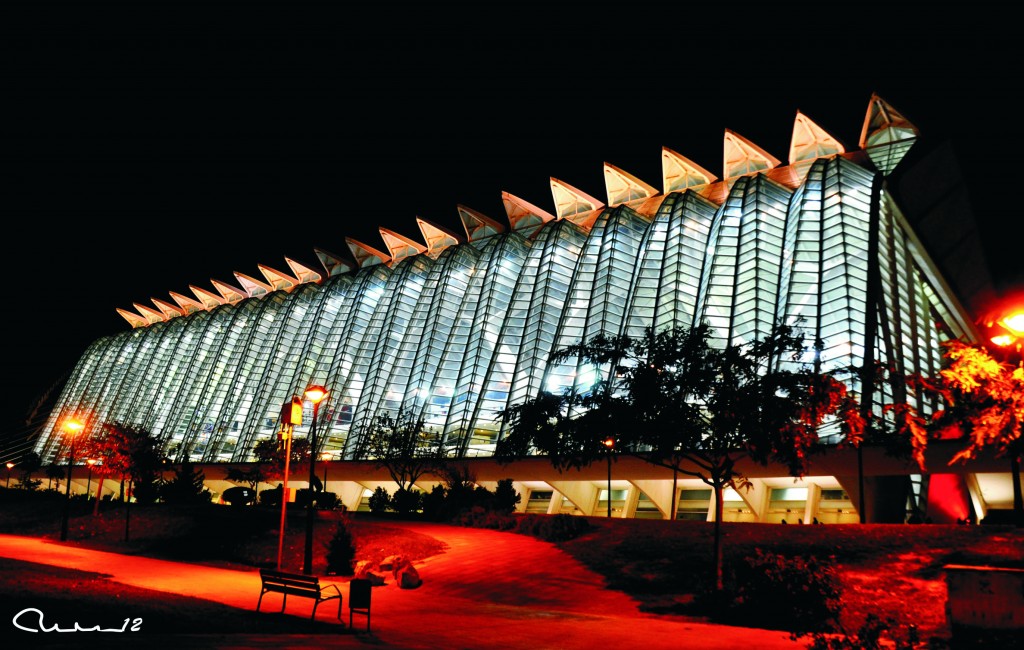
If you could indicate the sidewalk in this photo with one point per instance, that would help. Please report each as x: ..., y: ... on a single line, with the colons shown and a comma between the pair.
x: 489, y: 591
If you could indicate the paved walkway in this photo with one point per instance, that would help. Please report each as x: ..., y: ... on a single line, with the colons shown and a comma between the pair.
x: 489, y: 591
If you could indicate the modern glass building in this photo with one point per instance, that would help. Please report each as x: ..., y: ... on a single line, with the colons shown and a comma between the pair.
x: 457, y: 327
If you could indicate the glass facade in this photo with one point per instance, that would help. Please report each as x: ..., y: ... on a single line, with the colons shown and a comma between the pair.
x: 461, y: 329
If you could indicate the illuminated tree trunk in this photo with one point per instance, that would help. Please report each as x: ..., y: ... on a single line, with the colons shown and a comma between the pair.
x: 719, y: 583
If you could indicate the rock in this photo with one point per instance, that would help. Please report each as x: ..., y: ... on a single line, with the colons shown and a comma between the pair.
x: 408, y: 577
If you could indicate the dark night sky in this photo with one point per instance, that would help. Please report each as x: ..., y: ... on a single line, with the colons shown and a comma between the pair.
x: 149, y: 149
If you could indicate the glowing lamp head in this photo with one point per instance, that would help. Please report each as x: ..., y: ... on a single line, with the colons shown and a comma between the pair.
x: 91, y: 462
x: 10, y: 465
x: 1015, y: 323
x: 608, y: 442
x: 316, y: 394
x: 1003, y: 340
x: 73, y: 426
x: 325, y: 455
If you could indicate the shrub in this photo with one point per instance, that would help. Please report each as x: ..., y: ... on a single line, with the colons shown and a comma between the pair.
x: 405, y: 501
x: 271, y: 497
x: 553, y: 528
x: 380, y: 501
x: 433, y: 503
x: 870, y: 636
x: 341, y: 551
x: 505, y: 496
x: 799, y: 594
x: 238, y: 496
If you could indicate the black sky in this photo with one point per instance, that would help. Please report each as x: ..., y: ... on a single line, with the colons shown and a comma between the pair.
x: 150, y: 147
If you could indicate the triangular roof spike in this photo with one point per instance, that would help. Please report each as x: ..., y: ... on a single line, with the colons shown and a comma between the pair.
x: 252, y: 286
x: 151, y: 315
x: 623, y: 187
x: 366, y: 255
x: 884, y: 124
x: 810, y: 141
x: 278, y: 280
x: 167, y: 309
x: 188, y: 305
x: 437, y: 238
x: 231, y: 294
x: 523, y: 215
x: 679, y: 172
x: 303, y: 273
x: 478, y: 225
x: 208, y: 298
x: 570, y: 201
x: 334, y: 264
x: 400, y: 246
x: 133, y: 319
x: 741, y: 156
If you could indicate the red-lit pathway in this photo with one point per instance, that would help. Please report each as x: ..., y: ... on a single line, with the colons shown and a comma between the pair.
x: 489, y: 591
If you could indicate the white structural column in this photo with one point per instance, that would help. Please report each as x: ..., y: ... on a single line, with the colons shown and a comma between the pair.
x: 583, y: 494
x: 813, y: 499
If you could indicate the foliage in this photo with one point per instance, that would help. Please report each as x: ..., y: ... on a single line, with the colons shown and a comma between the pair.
x: 270, y: 453
x: 402, y: 445
x: 55, y: 473
x: 982, y: 403
x: 29, y: 464
x: 552, y: 528
x: 798, y: 593
x: 129, y: 452
x: 341, y: 551
x: 380, y: 500
x: 238, y: 496
x: 251, y: 475
x: 406, y: 501
x: 676, y: 401
x: 505, y: 496
x: 186, y: 487
x: 870, y: 636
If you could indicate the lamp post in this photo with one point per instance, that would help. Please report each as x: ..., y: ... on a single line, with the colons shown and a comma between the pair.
x: 10, y: 466
x: 609, y: 442
x: 88, y: 483
x: 72, y: 427
x: 291, y: 414
x: 314, y: 394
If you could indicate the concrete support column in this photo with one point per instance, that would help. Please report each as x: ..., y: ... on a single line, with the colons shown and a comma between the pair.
x: 813, y: 501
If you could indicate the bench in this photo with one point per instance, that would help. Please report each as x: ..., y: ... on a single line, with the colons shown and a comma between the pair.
x: 296, y: 584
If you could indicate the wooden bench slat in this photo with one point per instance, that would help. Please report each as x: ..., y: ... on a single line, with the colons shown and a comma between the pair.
x: 293, y: 584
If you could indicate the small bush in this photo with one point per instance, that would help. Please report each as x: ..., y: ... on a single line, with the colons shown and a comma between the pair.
x: 870, y: 636
x: 405, y: 501
x: 798, y: 594
x: 341, y: 551
x: 380, y: 501
x: 553, y: 528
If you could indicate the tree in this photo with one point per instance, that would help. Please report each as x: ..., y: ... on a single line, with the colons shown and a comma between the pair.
x: 29, y: 464
x: 270, y: 453
x: 981, y: 402
x: 403, y: 445
x: 130, y: 453
x: 54, y: 472
x: 676, y: 401
x: 187, y: 486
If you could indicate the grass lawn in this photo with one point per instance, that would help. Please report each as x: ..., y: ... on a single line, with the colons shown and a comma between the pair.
x: 894, y: 571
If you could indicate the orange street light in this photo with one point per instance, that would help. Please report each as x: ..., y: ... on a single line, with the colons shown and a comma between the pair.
x: 88, y: 483
x: 315, y: 394
x: 72, y: 427
x: 291, y: 415
x: 10, y: 466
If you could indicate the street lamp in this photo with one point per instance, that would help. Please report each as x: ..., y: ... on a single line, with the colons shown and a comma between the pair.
x: 72, y: 427
x: 314, y: 394
x: 88, y: 483
x: 291, y: 414
x: 10, y: 466
x: 609, y: 442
